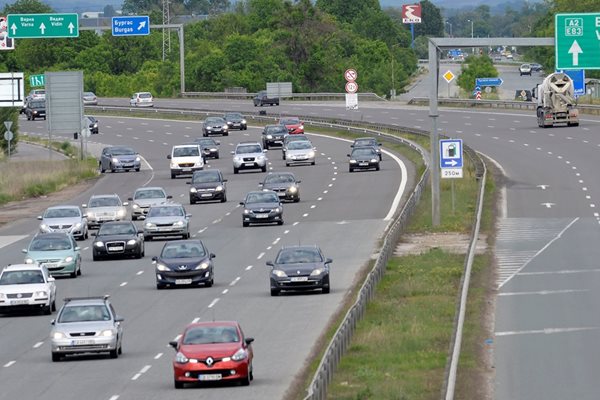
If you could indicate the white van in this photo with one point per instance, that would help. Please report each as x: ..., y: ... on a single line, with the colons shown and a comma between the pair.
x: 185, y: 159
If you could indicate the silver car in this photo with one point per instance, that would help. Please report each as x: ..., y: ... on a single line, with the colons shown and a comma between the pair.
x: 67, y: 219
x: 144, y: 198
x: 300, y: 152
x: 103, y: 208
x: 249, y: 155
x: 167, y: 220
x: 86, y: 325
x: 27, y: 286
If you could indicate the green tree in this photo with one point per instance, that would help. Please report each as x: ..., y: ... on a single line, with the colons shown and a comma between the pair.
x: 475, y: 67
x: 27, y: 7
x: 347, y: 10
x: 432, y: 23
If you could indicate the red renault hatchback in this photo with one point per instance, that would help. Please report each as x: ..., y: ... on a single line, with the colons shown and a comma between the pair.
x: 212, y: 351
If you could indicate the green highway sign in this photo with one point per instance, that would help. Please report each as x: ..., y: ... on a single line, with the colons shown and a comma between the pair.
x: 35, y: 26
x: 37, y: 80
x: 577, y: 41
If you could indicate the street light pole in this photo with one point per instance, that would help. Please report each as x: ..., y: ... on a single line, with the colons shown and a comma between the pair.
x: 471, y: 21
x: 450, y: 23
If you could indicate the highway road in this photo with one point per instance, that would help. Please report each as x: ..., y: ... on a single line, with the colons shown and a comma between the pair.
x: 546, y: 326
x: 345, y: 214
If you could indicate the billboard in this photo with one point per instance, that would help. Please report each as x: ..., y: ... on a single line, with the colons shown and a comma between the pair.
x: 6, y: 43
x: 411, y: 14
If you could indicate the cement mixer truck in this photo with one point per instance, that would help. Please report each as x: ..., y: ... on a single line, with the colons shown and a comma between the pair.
x: 556, y: 102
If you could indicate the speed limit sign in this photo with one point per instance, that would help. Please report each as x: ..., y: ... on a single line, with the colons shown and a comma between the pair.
x: 351, y: 87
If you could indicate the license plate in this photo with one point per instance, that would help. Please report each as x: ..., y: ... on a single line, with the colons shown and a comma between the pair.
x: 183, y: 281
x: 128, y: 165
x: 236, y: 124
x: 249, y: 164
x: 210, y: 377
x: 363, y: 164
x: 186, y: 169
x: 116, y: 248
x: 299, y: 279
x: 19, y: 302
x: 165, y: 229
x: 81, y: 342
x: 206, y: 195
x: 262, y: 216
x: 50, y: 265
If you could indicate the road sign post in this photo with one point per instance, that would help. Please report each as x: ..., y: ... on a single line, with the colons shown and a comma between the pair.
x: 488, y: 82
x: 37, y: 80
x: 451, y: 157
x: 133, y: 25
x: 8, y: 135
x: 577, y: 41
x: 36, y: 26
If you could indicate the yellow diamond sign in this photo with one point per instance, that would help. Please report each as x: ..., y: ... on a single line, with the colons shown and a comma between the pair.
x: 448, y: 76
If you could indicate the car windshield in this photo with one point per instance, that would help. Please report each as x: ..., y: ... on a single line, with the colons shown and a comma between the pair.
x: 215, y: 121
x: 299, y: 145
x: 363, y: 151
x: 84, y: 313
x: 183, y: 250
x: 144, y: 95
x: 276, y: 178
x: 233, y: 116
x: 262, y: 197
x: 21, y: 277
x: 166, y: 212
x: 117, y: 229
x: 42, y: 243
x: 104, y: 202
x: 295, y: 256
x: 62, y: 213
x: 249, y: 149
x: 206, y: 142
x: 296, y: 138
x: 289, y: 121
x: 122, y: 151
x: 206, y: 176
x: 365, y: 142
x: 211, y: 334
x: 149, y: 194
x: 89, y: 94
x: 276, y: 129
x: 190, y: 151
x: 37, y: 104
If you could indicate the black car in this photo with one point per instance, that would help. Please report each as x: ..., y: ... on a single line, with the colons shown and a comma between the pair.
x: 284, y: 184
x: 368, y: 142
x: 299, y: 268
x: 363, y: 158
x: 118, y: 239
x: 92, y: 124
x: 273, y: 135
x: 235, y: 120
x: 215, y: 125
x: 35, y: 109
x: 184, y: 262
x: 208, y: 185
x: 209, y: 147
x: 261, y: 99
x: 262, y: 207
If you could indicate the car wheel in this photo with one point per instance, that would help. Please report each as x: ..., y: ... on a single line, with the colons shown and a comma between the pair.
x: 205, y: 134
x: 87, y: 233
x: 245, y: 224
x: 47, y: 310
x: 313, y: 163
x: 120, y: 349
x: 148, y: 238
x: 297, y: 199
x: 102, y: 170
x: 246, y: 380
x: 192, y: 201
x: 377, y: 168
x: 133, y: 218
x: 186, y: 236
x: 114, y: 353
x: 264, y: 169
x: 56, y: 357
x: 280, y: 222
x: 274, y: 292
x: 112, y: 169
x: 350, y: 169
x: 173, y: 176
x: 127, y: 170
x: 226, y: 134
x: 177, y: 384
x: 224, y: 199
x: 236, y: 170
x: 79, y: 270
x: 95, y: 257
x: 139, y: 254
x: 217, y: 157
x: 53, y: 305
x: 160, y: 286
x: 326, y: 290
x: 137, y: 170
x: 210, y: 283
x: 74, y: 273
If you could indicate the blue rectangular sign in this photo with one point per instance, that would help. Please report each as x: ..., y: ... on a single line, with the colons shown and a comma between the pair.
x: 451, y: 153
x: 578, y: 77
x: 133, y: 25
x: 488, y: 81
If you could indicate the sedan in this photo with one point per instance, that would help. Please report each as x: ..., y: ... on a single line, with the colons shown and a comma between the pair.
x: 103, y: 208
x: 27, y: 287
x: 209, y: 147
x: 89, y: 99
x: 213, y: 125
x: 300, y: 152
x: 262, y: 207
x: 363, y: 158
x: 167, y: 220
x: 368, y: 142
x: 212, y: 351
x: 208, y: 185
x: 144, y: 198
x: 284, y: 184
x: 236, y: 121
x: 68, y: 219
x: 299, y: 268
x: 92, y: 123
x: 525, y: 69
x: 184, y: 263
x: 118, y: 239
x: 56, y: 251
x: 273, y: 135
x: 287, y: 139
x: 292, y: 124
x: 119, y: 158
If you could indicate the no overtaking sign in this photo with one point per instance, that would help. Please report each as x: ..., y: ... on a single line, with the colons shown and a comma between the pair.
x: 350, y: 75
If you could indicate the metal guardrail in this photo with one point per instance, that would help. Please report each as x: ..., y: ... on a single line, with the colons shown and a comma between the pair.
x: 294, y: 96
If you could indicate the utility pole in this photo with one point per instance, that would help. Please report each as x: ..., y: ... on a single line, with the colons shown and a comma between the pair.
x: 166, y: 49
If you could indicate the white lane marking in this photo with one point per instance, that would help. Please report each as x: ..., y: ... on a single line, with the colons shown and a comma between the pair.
x: 225, y: 291
x: 216, y: 221
x: 592, y: 205
x: 313, y: 206
x: 145, y: 369
x: 236, y: 280
x: 86, y: 248
x: 8, y: 240
x: 295, y: 223
x: 325, y: 191
x: 543, y: 292
x: 165, y: 144
x: 333, y: 179
x: 140, y: 272
x: 319, y: 199
x: 159, y: 355
x: 151, y: 140
x: 305, y: 215
x: 276, y: 241
x: 150, y: 168
x: 228, y: 213
x: 249, y: 267
x: 135, y: 377
x: 123, y: 284
x: 561, y: 272
x: 286, y: 232
x: 261, y: 255
x: 330, y: 185
x: 195, y: 320
x: 547, y: 331
x: 38, y: 344
x: 212, y: 303
x: 584, y: 189
x: 114, y: 397
x: 269, y: 247
x: 335, y: 173
x: 8, y: 364
x: 201, y: 230
x: 335, y: 167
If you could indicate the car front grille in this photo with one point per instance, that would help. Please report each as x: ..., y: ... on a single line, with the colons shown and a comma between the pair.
x: 48, y: 260
x: 186, y: 165
x: 19, y: 295
x: 82, y: 334
x: 86, y: 347
x: 60, y: 226
x: 164, y: 225
x: 248, y: 159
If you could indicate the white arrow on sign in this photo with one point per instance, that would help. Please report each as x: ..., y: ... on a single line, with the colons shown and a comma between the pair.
x: 141, y: 25
x: 548, y: 205
x: 71, y: 27
x: 575, y: 50
x: 13, y: 27
x: 451, y: 162
x: 42, y: 28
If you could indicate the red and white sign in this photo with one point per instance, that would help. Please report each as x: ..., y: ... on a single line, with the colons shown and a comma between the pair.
x: 478, y: 96
x: 411, y: 14
x: 351, y: 87
x: 6, y: 43
x: 350, y: 75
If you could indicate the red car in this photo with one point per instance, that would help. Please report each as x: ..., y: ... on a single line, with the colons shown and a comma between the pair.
x: 212, y: 351
x: 293, y: 125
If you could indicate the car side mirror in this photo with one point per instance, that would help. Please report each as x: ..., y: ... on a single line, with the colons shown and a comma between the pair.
x: 174, y: 344
x: 260, y: 184
x: 84, y: 206
x: 23, y: 250
x: 77, y: 248
x: 188, y: 215
x: 248, y: 340
x: 241, y: 203
x: 154, y: 259
x: 224, y: 180
x: 328, y: 261
x: 169, y: 197
x: 140, y: 231
x: 211, y: 255
x: 126, y: 204
x: 351, y: 145
x: 188, y: 183
x: 232, y: 152
x: 270, y: 263
x: 265, y: 150
x: 169, y: 157
x: 130, y: 198
x: 298, y: 181
x: 51, y: 279
x: 119, y: 319
x: 95, y: 234
x: 39, y: 217
x: 52, y: 322
x: 217, y: 142
x: 348, y: 155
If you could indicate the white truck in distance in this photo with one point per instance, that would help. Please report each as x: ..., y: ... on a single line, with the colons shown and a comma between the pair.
x: 556, y: 103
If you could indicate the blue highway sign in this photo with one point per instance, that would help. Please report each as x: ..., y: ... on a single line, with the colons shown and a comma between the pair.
x: 133, y: 25
x: 488, y: 81
x: 578, y: 77
x: 451, y: 153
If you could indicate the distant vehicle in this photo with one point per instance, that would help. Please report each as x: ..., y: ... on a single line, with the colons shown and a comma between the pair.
x: 36, y: 94
x: 89, y: 99
x: 92, y: 124
x: 293, y: 125
x: 121, y: 158
x: 56, y: 251
x: 262, y: 207
x: 141, y: 99
x: 167, y: 220
x: 35, y: 109
x: 284, y: 184
x: 509, y: 56
x: 249, y: 155
x: 287, y: 139
x: 300, y: 152
x: 235, y: 121
x: 208, y: 185
x: 118, y: 239
x: 299, y: 268
x: 184, y: 263
x: 144, y: 198
x: 368, y: 142
x: 363, y: 158
x: 103, y: 208
x: 535, y: 67
x: 273, y: 135
x: 27, y: 287
x: 556, y: 103
x: 209, y: 147
x: 67, y: 219
x: 214, y: 125
x: 525, y: 69
x: 212, y: 351
x: 185, y: 159
x: 261, y: 99
x: 86, y: 325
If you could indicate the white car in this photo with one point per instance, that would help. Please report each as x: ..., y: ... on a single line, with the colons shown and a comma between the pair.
x: 68, y: 219
x: 141, y: 99
x: 103, y: 208
x: 525, y: 69
x: 185, y: 159
x: 300, y: 152
x: 27, y: 286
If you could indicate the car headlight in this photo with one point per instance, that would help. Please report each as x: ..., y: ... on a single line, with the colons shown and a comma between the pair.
x: 41, y: 293
x: 107, y: 333
x: 193, y: 190
x: 208, y: 128
x: 69, y: 259
x: 317, y: 272
x: 278, y: 210
x: 122, y: 213
x: 301, y: 127
x: 161, y: 267
x: 311, y: 154
x: 95, y: 125
x: 225, y: 127
x: 174, y: 165
x: 29, y: 260
x: 352, y: 161
x: 149, y: 225
x: 90, y: 215
x: 137, y: 159
x: 269, y: 136
x: 2, y: 296
x: 99, y: 244
x: 237, y: 158
x: 246, y: 211
x: 43, y: 227
x: 58, y: 335
x: 213, y: 149
x: 135, y: 206
x: 279, y: 273
x: 243, y: 121
x: 131, y: 242
x: 115, y: 160
x: 239, y: 355
x: 219, y: 188
x: 374, y: 160
x: 261, y: 157
x: 78, y: 225
x: 179, y: 223
x: 266, y: 190
x: 180, y: 358
x: 292, y: 189
x: 203, y: 265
